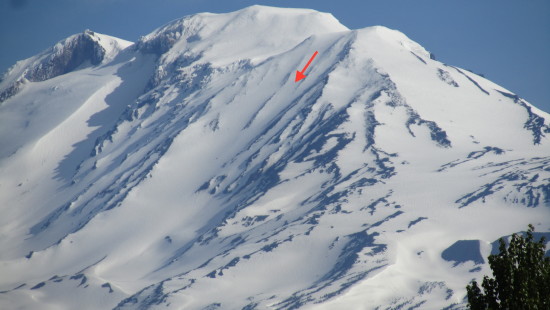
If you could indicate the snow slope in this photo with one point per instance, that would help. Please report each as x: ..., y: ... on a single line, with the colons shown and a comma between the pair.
x: 190, y: 171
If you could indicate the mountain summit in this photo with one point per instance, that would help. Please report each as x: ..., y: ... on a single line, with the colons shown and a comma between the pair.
x: 189, y: 169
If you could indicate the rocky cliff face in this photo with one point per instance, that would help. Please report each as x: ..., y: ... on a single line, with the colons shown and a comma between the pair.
x: 67, y: 56
x: 84, y: 49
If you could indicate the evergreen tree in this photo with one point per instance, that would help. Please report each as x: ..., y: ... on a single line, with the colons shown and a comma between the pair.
x: 521, y: 277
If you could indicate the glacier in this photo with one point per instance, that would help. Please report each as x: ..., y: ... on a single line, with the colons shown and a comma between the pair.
x: 189, y: 171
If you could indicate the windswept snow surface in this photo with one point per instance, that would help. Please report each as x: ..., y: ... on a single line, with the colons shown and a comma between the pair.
x: 190, y: 171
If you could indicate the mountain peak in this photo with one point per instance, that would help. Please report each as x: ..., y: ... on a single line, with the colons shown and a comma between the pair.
x: 256, y: 33
x: 195, y: 172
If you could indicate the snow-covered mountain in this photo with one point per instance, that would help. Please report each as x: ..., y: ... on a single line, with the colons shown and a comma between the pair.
x: 190, y: 171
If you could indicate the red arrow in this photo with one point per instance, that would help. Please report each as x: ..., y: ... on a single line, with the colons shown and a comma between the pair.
x: 300, y: 74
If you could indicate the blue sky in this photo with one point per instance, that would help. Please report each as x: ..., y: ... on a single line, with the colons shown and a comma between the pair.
x: 506, y: 40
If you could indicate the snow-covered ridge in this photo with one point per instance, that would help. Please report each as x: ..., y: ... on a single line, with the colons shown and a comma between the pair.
x: 193, y: 172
